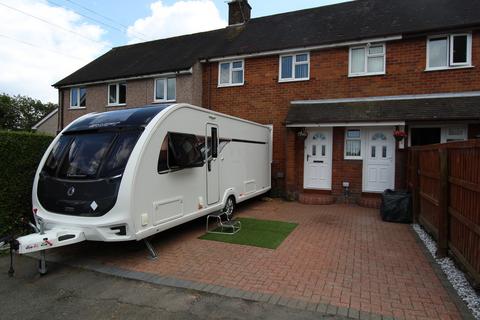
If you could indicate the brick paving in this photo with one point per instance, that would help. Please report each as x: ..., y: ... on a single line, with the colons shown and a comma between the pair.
x: 341, y: 258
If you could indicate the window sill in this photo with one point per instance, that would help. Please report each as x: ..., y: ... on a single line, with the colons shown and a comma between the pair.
x: 116, y: 105
x: 354, y: 158
x: 448, y: 68
x: 164, y: 101
x: 366, y: 74
x: 77, y: 108
x: 230, y: 85
x: 292, y: 80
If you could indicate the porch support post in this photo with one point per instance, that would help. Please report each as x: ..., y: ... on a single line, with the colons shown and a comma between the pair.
x: 443, y: 226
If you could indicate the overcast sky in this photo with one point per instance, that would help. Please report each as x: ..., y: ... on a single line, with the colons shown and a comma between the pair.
x: 43, y: 41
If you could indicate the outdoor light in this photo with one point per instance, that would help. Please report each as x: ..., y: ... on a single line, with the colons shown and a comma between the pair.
x: 302, y: 133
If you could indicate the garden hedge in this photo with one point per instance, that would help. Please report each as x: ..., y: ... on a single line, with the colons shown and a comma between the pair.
x: 20, y: 153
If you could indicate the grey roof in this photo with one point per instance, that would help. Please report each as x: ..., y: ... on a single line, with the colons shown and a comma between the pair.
x: 431, y: 109
x: 356, y: 20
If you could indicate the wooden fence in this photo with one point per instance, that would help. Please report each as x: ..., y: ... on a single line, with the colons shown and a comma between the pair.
x: 445, y: 184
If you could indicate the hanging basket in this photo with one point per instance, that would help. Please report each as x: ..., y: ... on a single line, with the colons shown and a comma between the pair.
x: 399, y: 135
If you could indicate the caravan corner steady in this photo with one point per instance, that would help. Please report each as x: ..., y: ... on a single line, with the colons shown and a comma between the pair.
x: 129, y: 174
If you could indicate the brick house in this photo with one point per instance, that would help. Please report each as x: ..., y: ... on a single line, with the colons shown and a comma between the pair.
x: 335, y: 82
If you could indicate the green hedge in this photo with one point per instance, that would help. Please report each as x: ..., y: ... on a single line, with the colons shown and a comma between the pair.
x: 20, y: 153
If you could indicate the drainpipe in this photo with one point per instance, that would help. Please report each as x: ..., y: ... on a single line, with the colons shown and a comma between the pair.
x: 209, y: 92
x: 60, y: 110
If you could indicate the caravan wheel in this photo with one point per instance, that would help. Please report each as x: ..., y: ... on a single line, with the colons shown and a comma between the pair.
x: 229, y: 206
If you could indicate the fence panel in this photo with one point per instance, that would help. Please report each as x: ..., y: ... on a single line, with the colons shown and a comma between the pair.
x: 453, y: 219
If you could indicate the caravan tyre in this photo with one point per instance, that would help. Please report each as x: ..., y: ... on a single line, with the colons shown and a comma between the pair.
x: 229, y: 206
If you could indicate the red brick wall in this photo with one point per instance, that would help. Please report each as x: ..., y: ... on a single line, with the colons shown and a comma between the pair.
x: 263, y: 99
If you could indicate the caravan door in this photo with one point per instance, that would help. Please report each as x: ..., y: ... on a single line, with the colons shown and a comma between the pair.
x: 213, y: 176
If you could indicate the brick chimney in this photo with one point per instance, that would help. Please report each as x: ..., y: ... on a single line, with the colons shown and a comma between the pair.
x: 238, y: 12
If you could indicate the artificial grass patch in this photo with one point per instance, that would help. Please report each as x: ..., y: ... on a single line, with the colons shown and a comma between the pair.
x: 257, y: 233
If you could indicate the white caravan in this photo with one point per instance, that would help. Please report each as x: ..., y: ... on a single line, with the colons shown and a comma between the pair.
x: 129, y: 174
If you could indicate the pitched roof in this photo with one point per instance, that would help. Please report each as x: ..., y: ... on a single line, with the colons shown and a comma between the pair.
x: 349, y: 21
x: 429, y: 109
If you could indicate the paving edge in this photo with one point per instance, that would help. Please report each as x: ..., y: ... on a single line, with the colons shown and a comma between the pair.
x: 322, y: 308
x: 452, y: 293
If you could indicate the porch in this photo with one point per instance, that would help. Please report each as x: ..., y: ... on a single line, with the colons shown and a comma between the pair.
x: 345, y: 150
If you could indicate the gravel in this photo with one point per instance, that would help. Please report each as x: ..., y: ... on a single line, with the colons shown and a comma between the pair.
x: 455, y: 276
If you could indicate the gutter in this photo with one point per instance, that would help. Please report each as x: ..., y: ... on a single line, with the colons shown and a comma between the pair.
x: 156, y: 75
x: 310, y: 48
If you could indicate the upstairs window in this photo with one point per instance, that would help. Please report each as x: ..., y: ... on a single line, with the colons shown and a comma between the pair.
x: 78, y: 98
x: 367, y: 60
x: 117, y: 94
x: 449, y: 51
x: 231, y: 73
x: 165, y: 89
x: 295, y: 67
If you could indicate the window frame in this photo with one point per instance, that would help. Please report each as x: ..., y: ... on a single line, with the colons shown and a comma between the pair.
x: 294, y: 64
x: 346, y: 157
x: 451, y: 65
x: 116, y: 103
x: 165, y: 90
x: 78, y: 106
x: 230, y: 73
x: 368, y: 55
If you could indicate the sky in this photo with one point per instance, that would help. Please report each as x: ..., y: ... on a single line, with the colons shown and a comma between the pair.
x: 43, y: 41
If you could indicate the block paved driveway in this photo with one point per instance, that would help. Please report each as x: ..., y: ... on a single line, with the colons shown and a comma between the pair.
x: 341, y: 256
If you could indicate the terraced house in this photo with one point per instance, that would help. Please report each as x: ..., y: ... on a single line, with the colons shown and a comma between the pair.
x: 342, y: 85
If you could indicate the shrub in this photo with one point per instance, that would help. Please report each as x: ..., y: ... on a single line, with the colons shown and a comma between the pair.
x: 20, y: 153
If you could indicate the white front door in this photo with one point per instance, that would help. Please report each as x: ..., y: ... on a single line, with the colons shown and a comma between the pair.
x: 379, y: 164
x: 318, y: 159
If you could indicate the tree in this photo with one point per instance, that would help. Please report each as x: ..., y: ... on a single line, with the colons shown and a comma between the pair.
x: 21, y: 112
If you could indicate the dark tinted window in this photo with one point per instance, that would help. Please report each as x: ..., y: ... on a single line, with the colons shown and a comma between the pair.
x: 163, y: 158
x: 85, y: 154
x: 55, y: 156
x: 184, y: 150
x: 119, y: 154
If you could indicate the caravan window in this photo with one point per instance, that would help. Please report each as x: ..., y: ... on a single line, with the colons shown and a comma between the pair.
x: 179, y: 151
x: 119, y: 154
x: 85, y: 154
x: 91, y: 155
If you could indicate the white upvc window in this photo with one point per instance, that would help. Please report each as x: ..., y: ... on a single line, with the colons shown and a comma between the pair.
x: 78, y: 98
x: 353, y: 144
x: 295, y: 67
x: 231, y: 73
x: 367, y: 60
x: 117, y: 94
x: 165, y: 89
x: 449, y: 51
x: 454, y: 133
